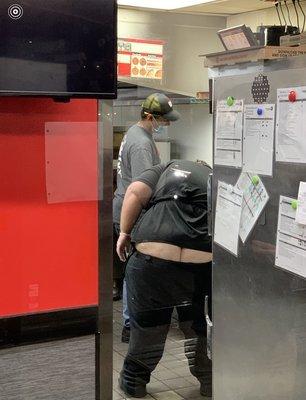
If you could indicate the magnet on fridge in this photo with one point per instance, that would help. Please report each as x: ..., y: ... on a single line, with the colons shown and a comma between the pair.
x: 255, y: 180
x: 230, y: 101
x: 294, y: 204
x: 259, y: 111
x: 292, y: 96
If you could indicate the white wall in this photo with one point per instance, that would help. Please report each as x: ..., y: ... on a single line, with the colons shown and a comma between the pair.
x: 192, y: 135
x: 263, y: 17
x: 186, y: 36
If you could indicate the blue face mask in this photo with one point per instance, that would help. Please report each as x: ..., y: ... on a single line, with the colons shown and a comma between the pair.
x: 158, y: 129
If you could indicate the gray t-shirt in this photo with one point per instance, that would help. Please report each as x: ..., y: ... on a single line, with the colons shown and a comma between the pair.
x: 137, y: 153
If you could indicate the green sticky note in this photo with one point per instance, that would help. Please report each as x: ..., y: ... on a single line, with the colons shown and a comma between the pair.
x: 294, y: 204
x: 230, y: 101
x: 255, y: 180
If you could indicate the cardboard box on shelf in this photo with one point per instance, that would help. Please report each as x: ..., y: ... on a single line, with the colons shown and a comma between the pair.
x: 252, y: 54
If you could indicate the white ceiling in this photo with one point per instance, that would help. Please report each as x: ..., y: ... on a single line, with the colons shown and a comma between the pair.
x: 227, y: 7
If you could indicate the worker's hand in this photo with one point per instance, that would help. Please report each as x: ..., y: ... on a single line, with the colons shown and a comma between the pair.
x: 123, y: 246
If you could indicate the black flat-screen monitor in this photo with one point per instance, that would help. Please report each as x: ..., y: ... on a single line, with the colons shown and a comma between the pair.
x: 58, y: 48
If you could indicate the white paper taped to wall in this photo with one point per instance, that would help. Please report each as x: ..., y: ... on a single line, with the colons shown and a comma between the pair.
x: 255, y: 198
x: 291, y: 125
x: 228, y: 214
x: 291, y: 239
x: 258, y: 139
x: 228, y: 134
x: 300, y: 217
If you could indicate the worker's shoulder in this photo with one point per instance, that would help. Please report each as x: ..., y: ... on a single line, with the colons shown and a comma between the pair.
x: 138, y: 137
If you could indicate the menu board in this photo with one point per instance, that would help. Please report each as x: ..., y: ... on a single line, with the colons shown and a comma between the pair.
x: 140, y: 58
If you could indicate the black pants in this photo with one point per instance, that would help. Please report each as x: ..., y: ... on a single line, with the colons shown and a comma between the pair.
x: 154, y: 288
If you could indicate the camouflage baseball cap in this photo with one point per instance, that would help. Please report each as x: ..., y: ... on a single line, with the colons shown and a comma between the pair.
x: 160, y: 105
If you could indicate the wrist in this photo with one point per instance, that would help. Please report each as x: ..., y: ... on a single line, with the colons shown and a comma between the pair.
x: 127, y: 235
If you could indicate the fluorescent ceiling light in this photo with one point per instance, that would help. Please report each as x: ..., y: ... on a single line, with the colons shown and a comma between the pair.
x: 162, y: 4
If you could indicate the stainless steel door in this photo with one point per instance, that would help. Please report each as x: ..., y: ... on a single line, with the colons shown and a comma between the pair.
x: 259, y: 311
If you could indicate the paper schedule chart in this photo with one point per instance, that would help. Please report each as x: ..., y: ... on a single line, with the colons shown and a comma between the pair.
x: 300, y: 216
x: 291, y: 239
x: 227, y: 219
x: 255, y: 198
x: 291, y: 125
x: 228, y: 137
x: 258, y: 139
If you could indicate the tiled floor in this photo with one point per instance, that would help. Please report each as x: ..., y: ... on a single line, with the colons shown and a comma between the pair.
x: 172, y: 379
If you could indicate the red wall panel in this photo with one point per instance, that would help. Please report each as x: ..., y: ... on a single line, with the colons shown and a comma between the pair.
x: 48, y: 251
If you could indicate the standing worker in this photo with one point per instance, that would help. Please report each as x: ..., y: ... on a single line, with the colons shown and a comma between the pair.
x: 171, y: 267
x: 137, y: 153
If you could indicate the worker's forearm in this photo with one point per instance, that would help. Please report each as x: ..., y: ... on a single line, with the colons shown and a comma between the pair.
x: 130, y: 212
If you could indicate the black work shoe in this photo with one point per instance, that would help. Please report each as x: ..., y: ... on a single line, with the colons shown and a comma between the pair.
x: 132, y: 390
x: 125, y: 336
x: 206, y: 390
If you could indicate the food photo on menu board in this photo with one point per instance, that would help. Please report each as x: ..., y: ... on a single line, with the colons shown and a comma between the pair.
x: 148, y: 66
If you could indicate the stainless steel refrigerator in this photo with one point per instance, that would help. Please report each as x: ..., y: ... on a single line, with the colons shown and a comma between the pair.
x: 259, y: 310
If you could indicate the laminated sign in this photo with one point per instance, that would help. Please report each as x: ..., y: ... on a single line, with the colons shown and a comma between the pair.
x: 140, y: 58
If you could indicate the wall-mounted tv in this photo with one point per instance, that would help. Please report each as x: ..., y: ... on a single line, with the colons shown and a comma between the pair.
x: 58, y: 48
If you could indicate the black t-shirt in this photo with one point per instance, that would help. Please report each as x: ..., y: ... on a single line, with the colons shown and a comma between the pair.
x: 177, y: 212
